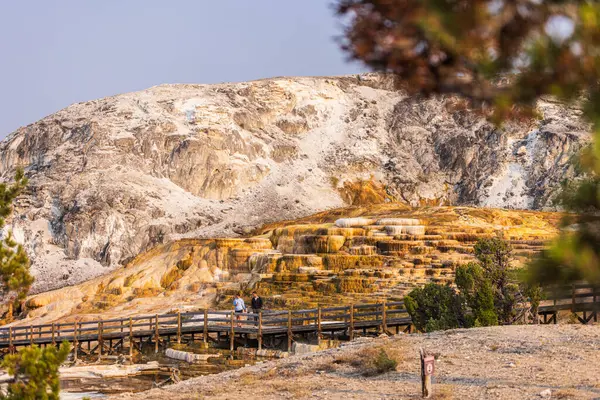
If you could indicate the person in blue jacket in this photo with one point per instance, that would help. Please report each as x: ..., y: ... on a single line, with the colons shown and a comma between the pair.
x: 239, y: 307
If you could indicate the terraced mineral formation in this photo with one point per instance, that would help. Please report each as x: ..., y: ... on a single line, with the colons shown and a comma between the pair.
x: 341, y: 256
x: 112, y: 178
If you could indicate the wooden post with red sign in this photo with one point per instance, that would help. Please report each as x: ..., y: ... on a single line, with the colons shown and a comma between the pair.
x: 427, y: 370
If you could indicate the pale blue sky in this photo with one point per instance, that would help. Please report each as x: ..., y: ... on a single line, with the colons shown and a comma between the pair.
x: 58, y: 52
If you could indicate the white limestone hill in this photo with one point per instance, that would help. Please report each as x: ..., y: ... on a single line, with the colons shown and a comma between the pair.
x: 110, y: 178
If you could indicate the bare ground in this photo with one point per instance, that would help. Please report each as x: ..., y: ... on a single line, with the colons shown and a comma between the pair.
x: 513, y: 362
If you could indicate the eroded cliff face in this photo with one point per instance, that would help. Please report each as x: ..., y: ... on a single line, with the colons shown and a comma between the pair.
x: 111, y: 178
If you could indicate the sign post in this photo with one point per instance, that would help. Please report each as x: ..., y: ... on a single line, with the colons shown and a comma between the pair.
x: 427, y: 371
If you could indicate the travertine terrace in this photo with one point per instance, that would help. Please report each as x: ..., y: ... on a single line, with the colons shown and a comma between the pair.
x: 347, y: 255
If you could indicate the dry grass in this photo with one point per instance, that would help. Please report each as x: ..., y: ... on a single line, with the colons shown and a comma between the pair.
x: 369, y: 361
x: 443, y: 392
x: 565, y: 394
x: 297, y: 390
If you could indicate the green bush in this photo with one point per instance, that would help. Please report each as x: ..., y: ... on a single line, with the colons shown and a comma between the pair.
x: 495, y: 256
x: 478, y: 294
x: 435, y: 307
x: 383, y: 363
x: 35, y: 373
x: 488, y: 293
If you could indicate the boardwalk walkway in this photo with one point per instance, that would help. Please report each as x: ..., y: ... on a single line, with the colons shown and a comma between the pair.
x: 268, y: 328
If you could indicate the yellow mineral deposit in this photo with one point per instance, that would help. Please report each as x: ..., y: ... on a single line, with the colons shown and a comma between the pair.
x: 344, y: 255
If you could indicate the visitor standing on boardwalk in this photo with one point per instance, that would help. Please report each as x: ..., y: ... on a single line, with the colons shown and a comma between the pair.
x: 239, y: 307
x: 257, y: 304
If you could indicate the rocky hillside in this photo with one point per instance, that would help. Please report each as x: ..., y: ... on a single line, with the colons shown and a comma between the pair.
x: 111, y: 178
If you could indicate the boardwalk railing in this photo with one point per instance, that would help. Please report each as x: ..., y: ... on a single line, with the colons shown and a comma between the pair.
x: 107, y: 336
x: 110, y: 335
x: 579, y: 298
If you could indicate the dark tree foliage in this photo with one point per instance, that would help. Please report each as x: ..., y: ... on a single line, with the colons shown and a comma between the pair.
x: 488, y: 293
x: 500, y: 55
x: 435, y: 307
x: 15, y: 279
x: 35, y: 373
x: 495, y: 256
x: 478, y: 294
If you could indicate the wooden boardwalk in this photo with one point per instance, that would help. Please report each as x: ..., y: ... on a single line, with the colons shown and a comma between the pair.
x: 270, y: 329
x: 581, y: 299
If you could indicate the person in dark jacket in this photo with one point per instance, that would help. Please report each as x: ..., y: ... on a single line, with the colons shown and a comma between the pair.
x: 256, y: 304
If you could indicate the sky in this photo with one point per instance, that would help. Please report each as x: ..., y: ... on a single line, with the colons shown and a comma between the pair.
x: 56, y: 53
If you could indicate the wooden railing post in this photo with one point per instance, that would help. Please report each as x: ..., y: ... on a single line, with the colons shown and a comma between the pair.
x: 319, y: 316
x: 130, y: 338
x: 178, y: 327
x: 10, y: 340
x: 384, y: 317
x: 205, y: 331
x: 53, y: 333
x: 156, y: 337
x: 259, y: 337
x: 31, y: 334
x: 232, y: 333
x: 351, y: 332
x: 75, y: 341
x: 289, y: 331
x: 595, y: 301
x: 573, y: 298
x: 100, y: 340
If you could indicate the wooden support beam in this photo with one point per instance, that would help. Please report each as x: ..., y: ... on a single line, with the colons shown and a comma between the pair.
x: 100, y: 339
x: 384, y: 317
x: 156, y: 337
x: 31, y: 335
x: 178, y: 327
x: 259, y: 336
x: 205, y: 330
x: 351, y: 331
x: 319, y: 331
x: 11, y: 349
x: 75, y: 342
x: 53, y: 333
x: 131, y: 344
x: 232, y: 333
x: 595, y: 305
x: 573, y: 298
x: 289, y: 331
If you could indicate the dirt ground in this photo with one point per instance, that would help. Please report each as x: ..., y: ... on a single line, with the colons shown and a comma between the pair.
x: 512, y: 362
